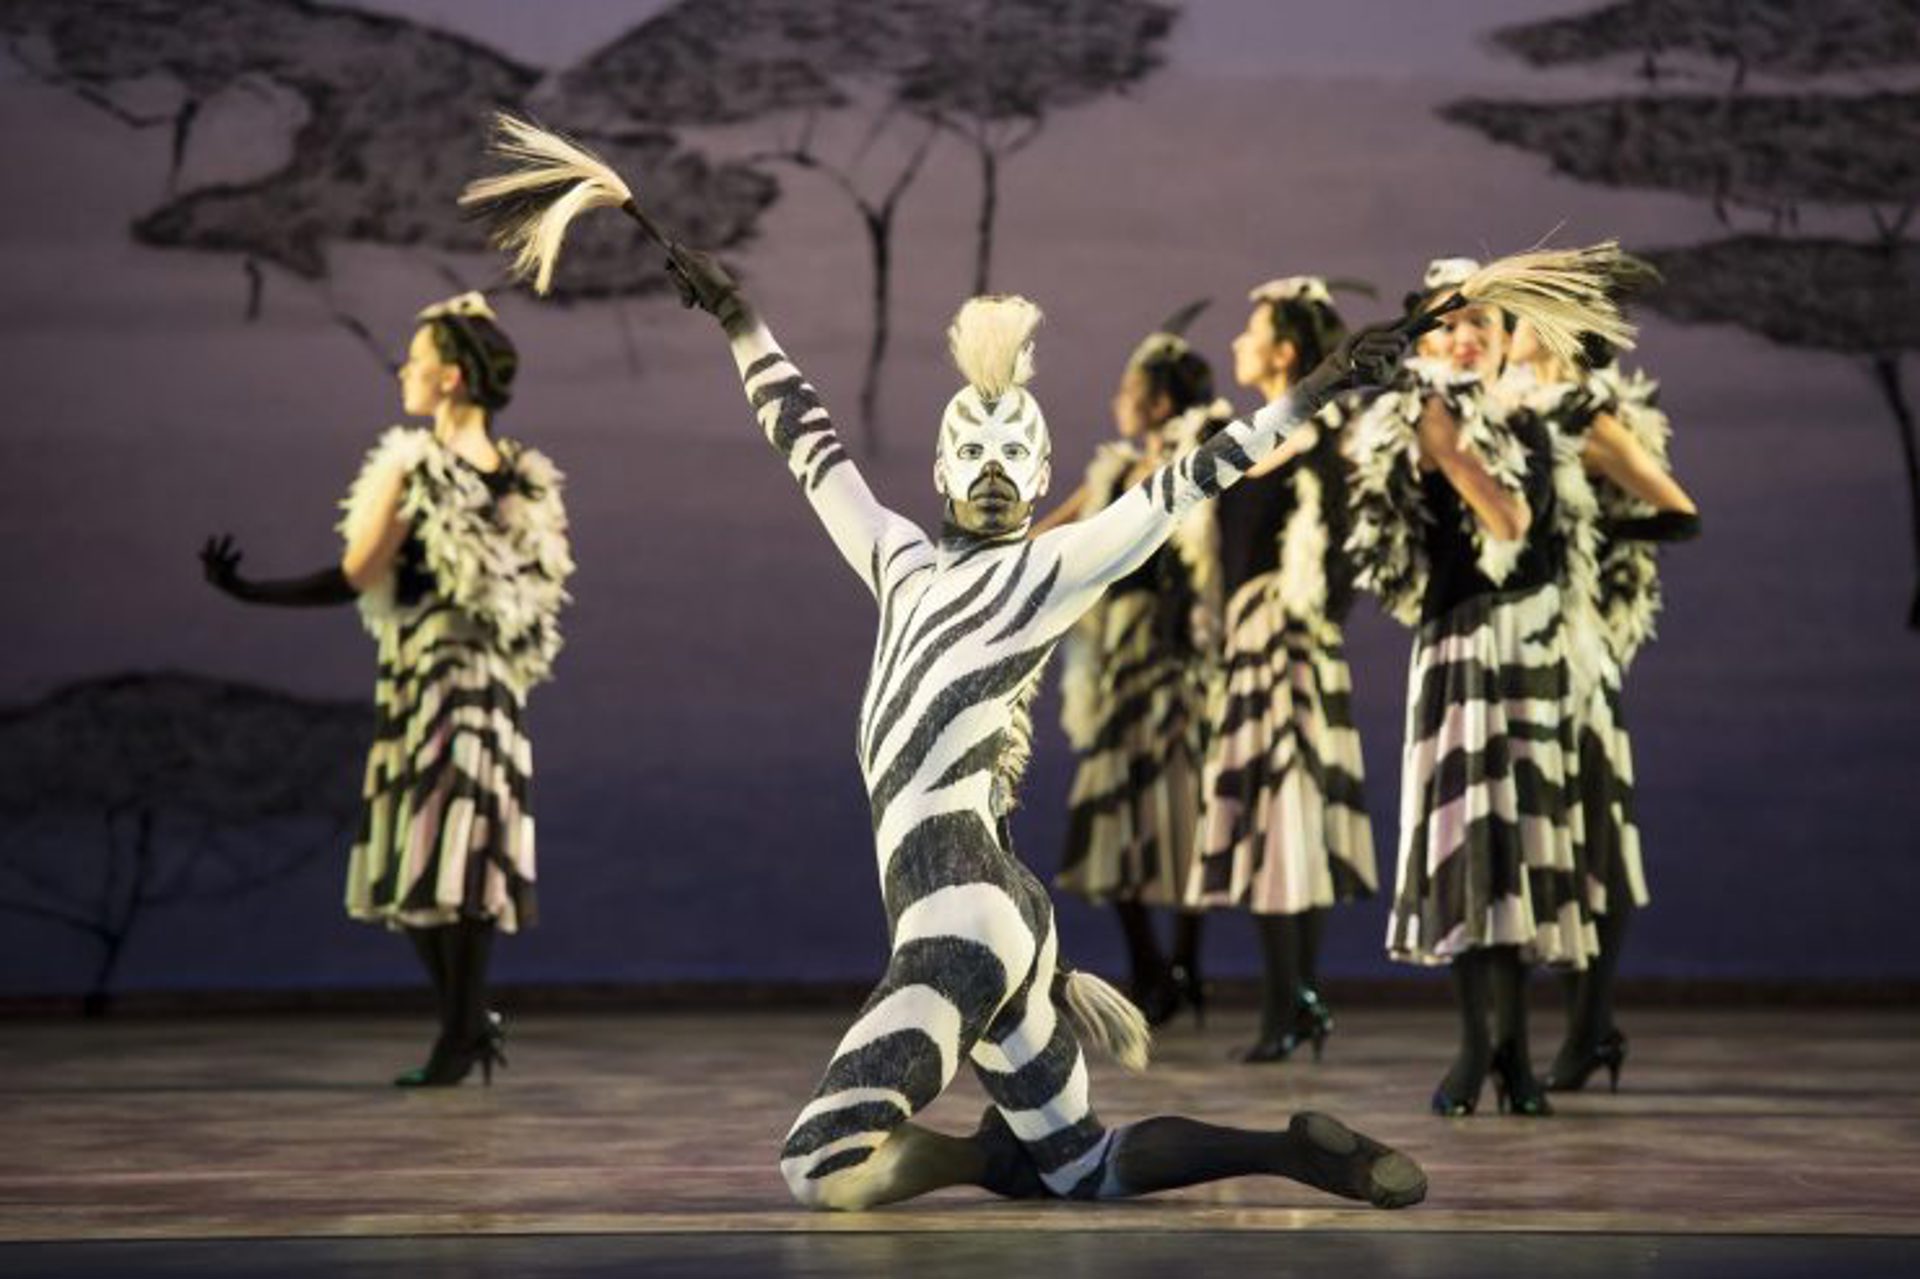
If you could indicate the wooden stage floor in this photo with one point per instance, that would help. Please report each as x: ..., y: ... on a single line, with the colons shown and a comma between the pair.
x: 649, y: 1140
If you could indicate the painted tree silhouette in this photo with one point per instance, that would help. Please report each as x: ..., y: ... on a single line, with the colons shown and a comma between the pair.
x: 787, y: 64
x: 1772, y: 152
x: 193, y: 789
x: 1007, y: 65
x: 1791, y: 38
x: 857, y: 92
x: 396, y: 114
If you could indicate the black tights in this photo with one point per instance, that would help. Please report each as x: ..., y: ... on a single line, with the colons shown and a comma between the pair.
x: 1317, y: 1150
x: 1290, y: 955
x: 1491, y: 979
x: 455, y: 957
x: 1143, y: 949
x: 1590, y: 992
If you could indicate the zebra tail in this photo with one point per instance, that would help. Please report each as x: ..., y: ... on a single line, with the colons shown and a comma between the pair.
x: 1107, y: 1018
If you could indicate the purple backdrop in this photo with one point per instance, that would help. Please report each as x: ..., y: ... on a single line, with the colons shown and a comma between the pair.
x: 701, y: 815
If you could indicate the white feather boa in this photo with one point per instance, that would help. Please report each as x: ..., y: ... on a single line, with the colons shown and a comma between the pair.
x: 503, y: 563
x: 1630, y: 597
x: 1387, y: 539
x: 1576, y: 525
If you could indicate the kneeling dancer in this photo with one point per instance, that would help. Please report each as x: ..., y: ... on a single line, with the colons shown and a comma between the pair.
x: 966, y: 622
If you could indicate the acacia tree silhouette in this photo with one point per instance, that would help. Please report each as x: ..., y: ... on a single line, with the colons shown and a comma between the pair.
x: 195, y: 790
x: 1768, y: 153
x: 394, y: 118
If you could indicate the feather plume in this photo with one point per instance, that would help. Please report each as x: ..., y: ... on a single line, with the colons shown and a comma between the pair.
x: 1562, y: 293
x: 549, y: 183
x: 991, y: 339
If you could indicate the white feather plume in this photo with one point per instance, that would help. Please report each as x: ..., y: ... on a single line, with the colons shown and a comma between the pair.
x: 551, y: 182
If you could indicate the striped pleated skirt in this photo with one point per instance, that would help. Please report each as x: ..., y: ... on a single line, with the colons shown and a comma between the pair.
x: 1136, y: 793
x: 1284, y: 826
x: 1606, y: 802
x: 446, y: 832
x: 1491, y: 846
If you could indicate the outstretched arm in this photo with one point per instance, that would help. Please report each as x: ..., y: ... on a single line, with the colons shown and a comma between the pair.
x: 1109, y: 545
x: 797, y: 424
x: 1612, y: 451
x: 220, y: 561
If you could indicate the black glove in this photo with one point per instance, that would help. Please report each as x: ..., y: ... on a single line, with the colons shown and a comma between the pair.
x: 1662, y: 526
x: 704, y: 283
x: 1368, y: 357
x: 220, y: 561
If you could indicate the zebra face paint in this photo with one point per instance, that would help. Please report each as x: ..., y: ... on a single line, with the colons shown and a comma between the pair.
x: 993, y: 460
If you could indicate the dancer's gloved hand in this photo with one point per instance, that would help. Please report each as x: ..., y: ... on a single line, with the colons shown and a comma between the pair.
x: 1661, y: 526
x: 220, y: 561
x: 704, y: 283
x: 1368, y: 357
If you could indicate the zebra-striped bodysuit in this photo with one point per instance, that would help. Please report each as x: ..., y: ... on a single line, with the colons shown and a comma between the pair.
x: 965, y: 626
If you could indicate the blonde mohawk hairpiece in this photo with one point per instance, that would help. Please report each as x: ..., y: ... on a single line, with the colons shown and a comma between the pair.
x: 991, y: 340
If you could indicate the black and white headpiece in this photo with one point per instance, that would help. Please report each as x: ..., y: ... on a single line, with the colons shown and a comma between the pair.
x: 994, y: 417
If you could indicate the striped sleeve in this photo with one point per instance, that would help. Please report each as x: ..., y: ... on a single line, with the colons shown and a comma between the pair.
x: 868, y: 535
x: 1107, y: 546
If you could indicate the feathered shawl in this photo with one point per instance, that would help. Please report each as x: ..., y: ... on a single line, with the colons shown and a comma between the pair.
x: 503, y: 561
x: 1388, y: 538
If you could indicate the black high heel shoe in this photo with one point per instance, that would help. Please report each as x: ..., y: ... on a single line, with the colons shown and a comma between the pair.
x: 449, y: 1065
x: 1515, y: 1090
x: 1610, y: 1052
x: 1313, y: 1022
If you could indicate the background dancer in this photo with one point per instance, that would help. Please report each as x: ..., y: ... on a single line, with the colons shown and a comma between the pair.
x: 456, y: 550
x: 1454, y: 531
x: 1134, y: 681
x: 1634, y: 501
x: 1285, y: 832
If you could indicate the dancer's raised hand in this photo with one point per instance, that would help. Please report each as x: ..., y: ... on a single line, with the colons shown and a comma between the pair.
x: 704, y: 283
x: 1366, y: 358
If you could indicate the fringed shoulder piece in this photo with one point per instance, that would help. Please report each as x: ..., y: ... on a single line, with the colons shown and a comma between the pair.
x: 1504, y: 455
x: 1576, y: 525
x: 498, y: 552
x: 1301, y: 587
x: 1386, y: 541
x: 1629, y: 591
x: 1389, y: 514
x: 1196, y: 538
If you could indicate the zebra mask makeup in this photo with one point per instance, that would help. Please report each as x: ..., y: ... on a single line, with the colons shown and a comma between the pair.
x: 992, y: 464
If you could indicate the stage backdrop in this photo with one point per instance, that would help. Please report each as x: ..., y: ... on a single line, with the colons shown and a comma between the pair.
x: 220, y: 217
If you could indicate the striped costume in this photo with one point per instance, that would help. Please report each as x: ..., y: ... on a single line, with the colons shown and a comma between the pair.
x: 466, y: 624
x: 1490, y: 845
x: 1602, y: 623
x: 965, y: 626
x: 1285, y: 827
x: 1133, y: 702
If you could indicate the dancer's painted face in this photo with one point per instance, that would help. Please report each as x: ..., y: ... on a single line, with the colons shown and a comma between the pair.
x: 993, y: 460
